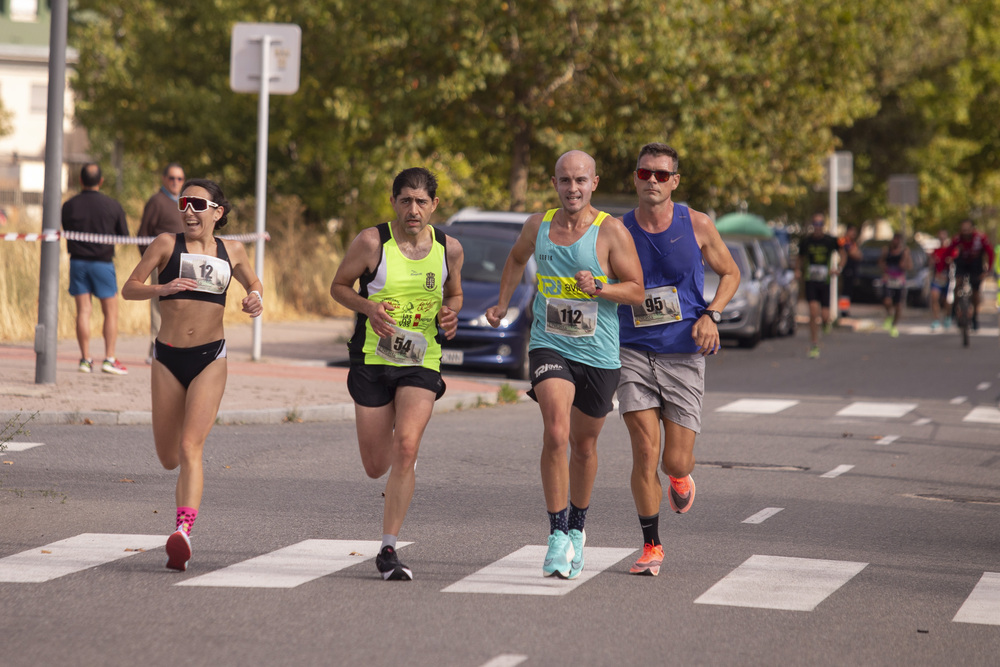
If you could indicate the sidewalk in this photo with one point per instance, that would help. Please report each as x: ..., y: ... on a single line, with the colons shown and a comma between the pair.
x: 292, y: 382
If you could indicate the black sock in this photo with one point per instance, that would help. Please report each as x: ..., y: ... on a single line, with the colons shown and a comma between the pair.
x: 558, y: 521
x: 577, y: 517
x: 650, y: 529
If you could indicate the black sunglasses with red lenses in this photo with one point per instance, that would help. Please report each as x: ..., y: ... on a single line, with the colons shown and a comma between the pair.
x: 197, y: 204
x: 661, y: 175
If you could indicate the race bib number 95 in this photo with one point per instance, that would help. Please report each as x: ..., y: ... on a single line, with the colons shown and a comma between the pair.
x: 661, y: 306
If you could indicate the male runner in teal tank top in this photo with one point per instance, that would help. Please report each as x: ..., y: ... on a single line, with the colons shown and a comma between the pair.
x: 587, y: 264
x: 410, y: 283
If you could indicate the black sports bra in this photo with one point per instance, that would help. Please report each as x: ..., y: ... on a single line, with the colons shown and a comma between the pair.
x: 213, y: 277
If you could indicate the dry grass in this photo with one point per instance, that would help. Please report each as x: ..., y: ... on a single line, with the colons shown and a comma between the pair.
x: 299, y: 264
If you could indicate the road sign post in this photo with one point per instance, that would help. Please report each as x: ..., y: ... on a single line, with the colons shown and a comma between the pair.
x: 904, y: 192
x: 838, y: 177
x: 46, y: 340
x: 264, y: 59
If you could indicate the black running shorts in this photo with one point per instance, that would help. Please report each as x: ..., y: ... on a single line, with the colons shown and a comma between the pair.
x: 373, y: 386
x: 595, y: 387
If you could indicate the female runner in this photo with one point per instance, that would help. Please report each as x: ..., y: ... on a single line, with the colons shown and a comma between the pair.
x: 188, y: 375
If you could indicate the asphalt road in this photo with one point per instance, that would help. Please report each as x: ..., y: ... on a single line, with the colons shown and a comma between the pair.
x: 884, y: 554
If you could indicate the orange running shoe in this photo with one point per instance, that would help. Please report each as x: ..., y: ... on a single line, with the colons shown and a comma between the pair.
x: 649, y: 562
x: 681, y: 494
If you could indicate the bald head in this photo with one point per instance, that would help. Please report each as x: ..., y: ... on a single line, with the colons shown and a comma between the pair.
x: 575, y: 160
x: 575, y: 180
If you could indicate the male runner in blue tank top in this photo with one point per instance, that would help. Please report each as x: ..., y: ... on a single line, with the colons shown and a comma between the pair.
x: 665, y: 339
x: 586, y: 266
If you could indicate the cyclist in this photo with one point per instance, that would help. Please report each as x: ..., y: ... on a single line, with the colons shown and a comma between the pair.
x: 973, y: 257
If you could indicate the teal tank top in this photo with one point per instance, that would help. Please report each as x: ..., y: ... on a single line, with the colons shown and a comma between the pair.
x: 581, y: 328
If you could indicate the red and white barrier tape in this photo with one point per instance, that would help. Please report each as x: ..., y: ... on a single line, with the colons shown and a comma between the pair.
x: 108, y: 239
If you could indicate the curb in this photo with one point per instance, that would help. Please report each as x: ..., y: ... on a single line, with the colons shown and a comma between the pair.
x: 312, y: 413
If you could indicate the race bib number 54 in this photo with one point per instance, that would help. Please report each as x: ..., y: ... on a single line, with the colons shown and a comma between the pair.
x: 406, y: 348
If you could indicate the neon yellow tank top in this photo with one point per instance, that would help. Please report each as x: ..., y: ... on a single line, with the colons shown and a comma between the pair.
x: 415, y: 287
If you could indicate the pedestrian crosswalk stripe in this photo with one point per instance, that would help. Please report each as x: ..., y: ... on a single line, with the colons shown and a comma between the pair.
x: 758, y: 406
x: 983, y: 604
x: 520, y: 573
x: 887, y: 440
x: 763, y: 515
x: 837, y: 472
x: 983, y: 386
x: 870, y: 409
x: 923, y: 421
x: 776, y: 582
x: 506, y: 660
x: 21, y: 446
x: 73, y: 554
x: 293, y: 565
x: 983, y: 415
x: 958, y: 400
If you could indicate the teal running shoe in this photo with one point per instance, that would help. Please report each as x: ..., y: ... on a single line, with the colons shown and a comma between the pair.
x: 559, y: 555
x: 577, y: 538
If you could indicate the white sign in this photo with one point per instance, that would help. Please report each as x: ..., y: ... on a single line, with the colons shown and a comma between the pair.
x: 845, y: 172
x: 904, y: 190
x: 245, y: 57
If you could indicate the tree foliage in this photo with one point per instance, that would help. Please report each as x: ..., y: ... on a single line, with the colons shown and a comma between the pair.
x: 753, y: 94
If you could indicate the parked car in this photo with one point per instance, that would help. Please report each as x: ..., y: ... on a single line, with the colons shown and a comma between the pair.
x: 767, y: 248
x: 476, y: 344
x: 866, y: 286
x: 477, y: 216
x: 743, y: 316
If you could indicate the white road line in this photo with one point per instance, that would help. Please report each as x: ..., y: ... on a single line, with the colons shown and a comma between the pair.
x: 776, y: 582
x: 887, y: 440
x: 869, y: 409
x: 983, y: 415
x: 836, y: 472
x: 958, y: 400
x: 293, y: 565
x: 73, y: 554
x: 520, y: 573
x: 21, y: 446
x: 506, y: 660
x: 763, y: 515
x: 983, y: 386
x: 757, y: 406
x: 923, y: 421
x: 983, y: 604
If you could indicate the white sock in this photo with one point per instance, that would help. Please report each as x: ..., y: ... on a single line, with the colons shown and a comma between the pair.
x: 388, y: 541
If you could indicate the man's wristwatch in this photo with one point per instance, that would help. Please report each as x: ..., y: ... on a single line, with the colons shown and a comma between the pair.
x: 598, y: 287
x: 714, y: 314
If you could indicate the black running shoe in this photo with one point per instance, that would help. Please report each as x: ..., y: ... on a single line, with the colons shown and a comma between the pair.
x: 389, y: 566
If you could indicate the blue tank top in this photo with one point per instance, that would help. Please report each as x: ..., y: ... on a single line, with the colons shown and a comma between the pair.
x: 580, y: 327
x: 674, y: 275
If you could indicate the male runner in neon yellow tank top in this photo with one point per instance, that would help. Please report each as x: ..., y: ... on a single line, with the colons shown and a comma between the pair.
x: 410, y: 283
x: 587, y: 265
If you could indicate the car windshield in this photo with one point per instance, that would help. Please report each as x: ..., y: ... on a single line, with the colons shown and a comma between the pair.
x: 484, y: 257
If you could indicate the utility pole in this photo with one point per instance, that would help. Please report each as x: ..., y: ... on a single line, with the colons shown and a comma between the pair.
x: 46, y: 341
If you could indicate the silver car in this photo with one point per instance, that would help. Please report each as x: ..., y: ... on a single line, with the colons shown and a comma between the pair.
x: 743, y: 316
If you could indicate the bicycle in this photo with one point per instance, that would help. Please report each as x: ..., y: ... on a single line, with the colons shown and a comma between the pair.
x: 963, y: 306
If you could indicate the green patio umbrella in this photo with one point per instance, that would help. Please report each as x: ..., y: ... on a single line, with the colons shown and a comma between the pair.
x: 743, y: 223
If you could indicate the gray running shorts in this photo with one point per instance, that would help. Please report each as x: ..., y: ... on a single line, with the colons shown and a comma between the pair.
x: 674, y: 383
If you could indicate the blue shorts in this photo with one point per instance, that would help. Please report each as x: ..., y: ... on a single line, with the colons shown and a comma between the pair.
x: 88, y: 276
